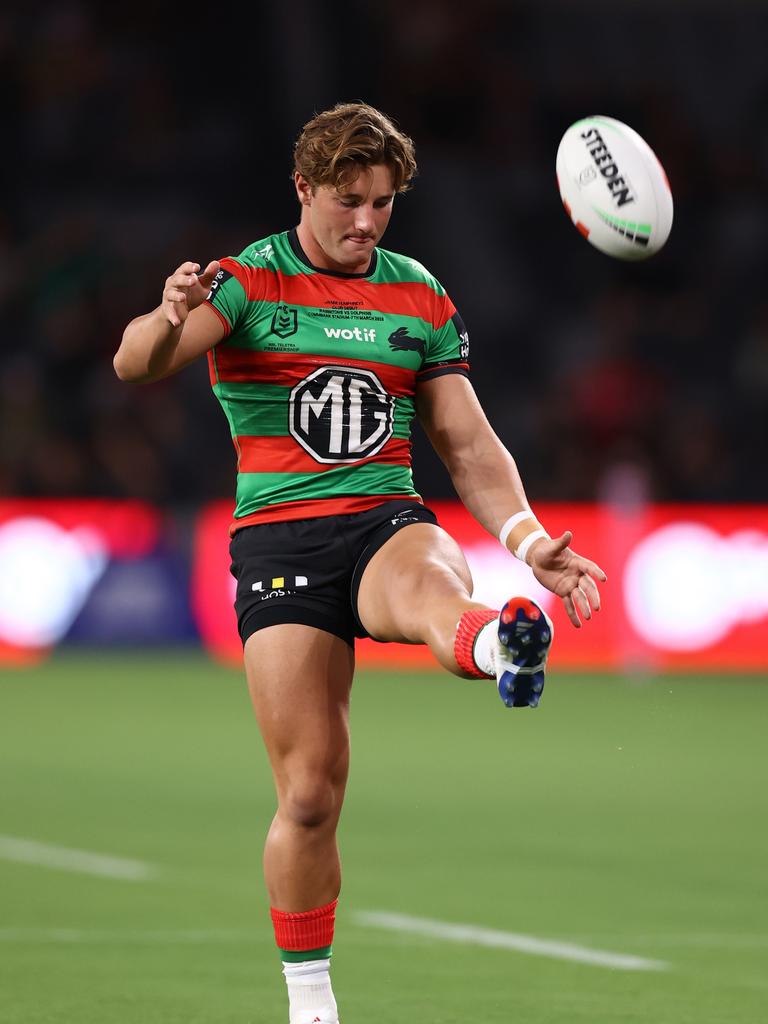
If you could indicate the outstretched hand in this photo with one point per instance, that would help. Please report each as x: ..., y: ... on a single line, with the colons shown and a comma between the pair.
x: 185, y: 289
x: 568, y: 575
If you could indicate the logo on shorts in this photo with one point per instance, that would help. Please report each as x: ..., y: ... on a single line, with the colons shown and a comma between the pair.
x: 341, y: 414
x: 277, y: 587
x: 404, y: 517
x: 278, y: 583
x: 285, y: 322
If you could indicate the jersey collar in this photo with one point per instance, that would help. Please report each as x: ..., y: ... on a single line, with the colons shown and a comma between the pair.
x: 298, y: 252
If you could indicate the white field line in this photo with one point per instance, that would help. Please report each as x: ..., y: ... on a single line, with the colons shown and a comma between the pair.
x: 474, y: 935
x: 44, y: 855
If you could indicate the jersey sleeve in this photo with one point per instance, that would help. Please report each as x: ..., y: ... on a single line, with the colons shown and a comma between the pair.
x: 447, y: 349
x: 234, y: 291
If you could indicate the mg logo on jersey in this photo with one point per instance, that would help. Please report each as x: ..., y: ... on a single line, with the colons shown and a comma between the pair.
x: 341, y: 414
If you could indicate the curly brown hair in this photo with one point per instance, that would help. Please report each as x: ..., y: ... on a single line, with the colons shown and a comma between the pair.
x: 336, y: 143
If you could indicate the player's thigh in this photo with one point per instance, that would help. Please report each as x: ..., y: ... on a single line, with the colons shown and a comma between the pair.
x: 421, y: 566
x: 300, y: 680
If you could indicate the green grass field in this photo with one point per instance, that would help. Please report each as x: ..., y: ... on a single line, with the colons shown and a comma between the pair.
x: 626, y: 816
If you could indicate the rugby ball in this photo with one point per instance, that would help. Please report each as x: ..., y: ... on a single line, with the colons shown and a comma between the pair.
x: 614, y: 188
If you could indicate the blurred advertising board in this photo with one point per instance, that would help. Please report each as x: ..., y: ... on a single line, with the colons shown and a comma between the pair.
x: 91, y: 572
x: 687, y: 585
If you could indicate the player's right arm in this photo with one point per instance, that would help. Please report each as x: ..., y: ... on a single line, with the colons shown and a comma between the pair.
x: 181, y: 329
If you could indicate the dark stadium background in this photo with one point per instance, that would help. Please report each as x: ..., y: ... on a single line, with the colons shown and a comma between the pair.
x: 137, y: 137
x: 629, y: 814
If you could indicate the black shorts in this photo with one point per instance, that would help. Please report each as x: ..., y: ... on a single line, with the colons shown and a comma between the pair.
x: 308, y: 571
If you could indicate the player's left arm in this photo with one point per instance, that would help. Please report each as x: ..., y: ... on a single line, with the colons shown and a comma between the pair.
x: 487, y: 480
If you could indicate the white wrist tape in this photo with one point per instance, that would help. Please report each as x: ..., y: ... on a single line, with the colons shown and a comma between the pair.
x: 512, y: 522
x: 525, y: 545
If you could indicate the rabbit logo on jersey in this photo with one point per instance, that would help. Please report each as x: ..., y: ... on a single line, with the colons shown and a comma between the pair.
x: 341, y: 414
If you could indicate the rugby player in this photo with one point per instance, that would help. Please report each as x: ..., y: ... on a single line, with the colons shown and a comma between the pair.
x: 321, y: 348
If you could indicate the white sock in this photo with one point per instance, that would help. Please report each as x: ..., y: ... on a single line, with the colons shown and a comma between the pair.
x: 486, y: 642
x: 310, y: 996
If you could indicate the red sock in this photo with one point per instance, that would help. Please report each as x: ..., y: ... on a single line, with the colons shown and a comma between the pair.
x: 309, y: 933
x: 470, y: 624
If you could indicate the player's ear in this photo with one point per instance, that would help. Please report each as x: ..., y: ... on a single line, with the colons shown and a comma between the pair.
x: 303, y: 189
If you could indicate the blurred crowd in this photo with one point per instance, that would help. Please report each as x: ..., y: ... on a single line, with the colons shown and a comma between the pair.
x: 133, y: 144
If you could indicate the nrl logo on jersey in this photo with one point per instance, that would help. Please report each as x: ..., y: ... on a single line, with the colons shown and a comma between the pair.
x: 285, y: 322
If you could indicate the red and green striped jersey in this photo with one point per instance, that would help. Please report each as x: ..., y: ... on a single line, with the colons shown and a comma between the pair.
x: 317, y: 374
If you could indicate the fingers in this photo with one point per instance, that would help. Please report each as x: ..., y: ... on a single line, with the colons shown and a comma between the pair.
x: 582, y: 599
x: 177, y: 298
x: 573, y: 615
x: 577, y: 606
x: 584, y: 564
x: 174, y: 303
x: 589, y: 588
x: 592, y: 569
x: 188, y: 275
x: 172, y: 315
x: 562, y: 542
x: 209, y: 273
x: 581, y: 602
x: 577, y: 577
x: 183, y: 278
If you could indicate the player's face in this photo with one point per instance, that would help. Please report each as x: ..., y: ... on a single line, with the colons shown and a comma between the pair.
x: 339, y: 228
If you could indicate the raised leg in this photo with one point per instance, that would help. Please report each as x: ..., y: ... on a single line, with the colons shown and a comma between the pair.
x: 415, y: 589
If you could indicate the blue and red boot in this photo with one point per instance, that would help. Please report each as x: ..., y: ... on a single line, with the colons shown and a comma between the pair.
x: 525, y: 636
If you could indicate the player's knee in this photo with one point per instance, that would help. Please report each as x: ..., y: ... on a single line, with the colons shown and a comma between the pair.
x: 311, y: 802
